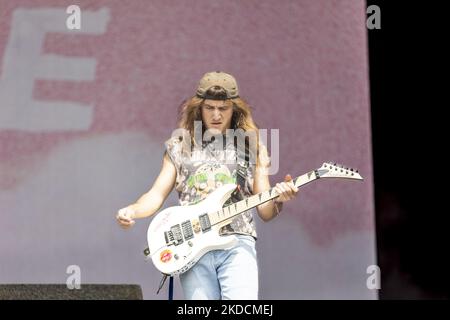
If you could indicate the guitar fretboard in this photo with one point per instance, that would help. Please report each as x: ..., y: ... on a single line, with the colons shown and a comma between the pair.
x: 239, y: 207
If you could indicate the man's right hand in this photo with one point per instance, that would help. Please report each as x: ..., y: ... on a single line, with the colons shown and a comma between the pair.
x: 125, y: 217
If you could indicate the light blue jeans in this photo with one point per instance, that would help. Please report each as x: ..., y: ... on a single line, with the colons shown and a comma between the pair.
x: 224, y: 274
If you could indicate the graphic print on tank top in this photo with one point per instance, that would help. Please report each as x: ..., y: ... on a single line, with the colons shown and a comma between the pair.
x: 203, y: 171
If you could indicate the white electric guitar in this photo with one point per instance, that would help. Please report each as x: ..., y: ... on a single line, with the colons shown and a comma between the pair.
x: 179, y: 236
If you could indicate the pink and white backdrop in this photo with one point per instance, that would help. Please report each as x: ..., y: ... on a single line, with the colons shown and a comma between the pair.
x: 84, y: 114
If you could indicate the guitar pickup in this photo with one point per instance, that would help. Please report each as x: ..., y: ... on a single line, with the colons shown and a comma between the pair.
x: 168, y: 235
x: 187, y: 230
x: 177, y: 236
x: 205, y: 224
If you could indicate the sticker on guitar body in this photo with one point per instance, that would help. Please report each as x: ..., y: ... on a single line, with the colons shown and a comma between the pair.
x: 165, y: 256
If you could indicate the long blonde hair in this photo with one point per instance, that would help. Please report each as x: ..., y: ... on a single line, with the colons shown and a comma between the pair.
x: 190, y: 111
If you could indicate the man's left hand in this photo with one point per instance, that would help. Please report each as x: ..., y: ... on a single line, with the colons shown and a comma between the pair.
x: 286, y: 190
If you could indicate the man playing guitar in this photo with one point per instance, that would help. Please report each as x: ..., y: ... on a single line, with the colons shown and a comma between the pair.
x: 230, y: 273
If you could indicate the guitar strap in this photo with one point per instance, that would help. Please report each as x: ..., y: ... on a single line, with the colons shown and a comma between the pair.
x: 241, y: 178
x: 242, y: 160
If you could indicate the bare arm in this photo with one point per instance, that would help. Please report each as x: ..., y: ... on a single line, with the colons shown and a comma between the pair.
x: 151, y: 201
x: 269, y: 210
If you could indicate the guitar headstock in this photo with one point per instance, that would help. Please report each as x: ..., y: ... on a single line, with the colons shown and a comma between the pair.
x: 335, y: 170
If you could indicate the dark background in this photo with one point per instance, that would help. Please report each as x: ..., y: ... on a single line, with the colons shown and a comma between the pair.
x: 408, y: 122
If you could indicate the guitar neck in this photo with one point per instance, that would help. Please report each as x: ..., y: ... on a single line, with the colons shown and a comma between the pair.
x: 239, y: 207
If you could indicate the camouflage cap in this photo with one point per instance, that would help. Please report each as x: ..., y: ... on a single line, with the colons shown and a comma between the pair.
x: 218, y: 78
